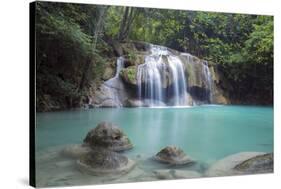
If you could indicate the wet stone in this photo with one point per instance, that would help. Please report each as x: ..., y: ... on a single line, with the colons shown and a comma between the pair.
x: 173, y: 155
x: 109, y: 136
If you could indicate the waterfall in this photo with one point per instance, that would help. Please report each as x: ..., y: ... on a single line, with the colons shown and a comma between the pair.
x: 114, y: 85
x: 119, y: 66
x: 179, y: 81
x: 209, y: 81
x: 201, y: 74
x: 151, y: 74
x: 165, y: 78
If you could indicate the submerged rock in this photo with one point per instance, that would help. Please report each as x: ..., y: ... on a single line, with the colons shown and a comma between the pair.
x: 76, y: 150
x: 242, y: 163
x: 102, y: 162
x: 173, y: 155
x: 133, y: 103
x: 175, y: 174
x: 257, y: 164
x: 109, y: 136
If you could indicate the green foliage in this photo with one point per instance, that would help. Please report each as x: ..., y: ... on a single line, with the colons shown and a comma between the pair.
x: 131, y: 72
x: 131, y: 55
x: 69, y: 46
x: 55, y: 23
x: 65, y: 48
x: 259, y: 47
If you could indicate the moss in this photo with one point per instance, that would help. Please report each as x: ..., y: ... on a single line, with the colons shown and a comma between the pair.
x: 129, y: 74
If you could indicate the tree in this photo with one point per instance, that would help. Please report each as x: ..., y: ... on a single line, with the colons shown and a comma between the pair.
x: 126, y: 22
x: 97, y: 34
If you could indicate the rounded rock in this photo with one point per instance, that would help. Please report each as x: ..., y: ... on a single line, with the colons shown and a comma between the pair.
x: 76, y: 150
x: 109, y: 136
x: 173, y: 155
x: 242, y: 163
x: 103, y: 162
x: 258, y: 164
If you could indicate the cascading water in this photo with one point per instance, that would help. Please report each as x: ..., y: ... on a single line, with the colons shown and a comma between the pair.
x: 179, y: 80
x: 201, y: 74
x: 119, y: 66
x: 151, y: 74
x: 165, y: 78
x: 114, y: 85
x: 209, y: 81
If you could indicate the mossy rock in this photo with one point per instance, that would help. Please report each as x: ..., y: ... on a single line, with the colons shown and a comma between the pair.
x: 129, y: 75
x: 135, y: 60
x: 128, y: 48
x: 108, y: 73
x: 109, y: 136
x: 173, y: 155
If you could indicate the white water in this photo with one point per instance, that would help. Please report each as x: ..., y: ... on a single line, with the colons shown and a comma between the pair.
x: 113, y: 85
x: 162, y: 79
x: 208, y: 78
x: 150, y: 72
x: 150, y: 78
x: 179, y: 80
x: 205, y: 77
x: 119, y: 66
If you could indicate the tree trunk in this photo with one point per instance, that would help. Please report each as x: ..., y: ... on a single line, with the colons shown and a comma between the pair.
x: 89, y: 61
x: 126, y: 23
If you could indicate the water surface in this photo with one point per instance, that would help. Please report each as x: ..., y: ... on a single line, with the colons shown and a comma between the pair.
x: 206, y: 133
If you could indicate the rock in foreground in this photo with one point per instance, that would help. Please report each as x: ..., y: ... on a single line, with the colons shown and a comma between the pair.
x: 102, y: 162
x: 242, y: 163
x: 173, y: 155
x: 76, y: 150
x: 109, y: 136
x: 257, y: 164
x: 175, y: 174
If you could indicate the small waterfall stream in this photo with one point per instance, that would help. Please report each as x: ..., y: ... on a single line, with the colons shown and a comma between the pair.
x: 208, y: 78
x: 114, y: 85
x: 119, y: 66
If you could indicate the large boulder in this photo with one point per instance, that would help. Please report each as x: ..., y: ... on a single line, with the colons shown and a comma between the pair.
x: 257, y: 164
x: 103, y: 162
x: 108, y: 73
x: 109, y: 136
x: 173, y: 155
x: 242, y: 163
x: 111, y: 93
x: 133, y: 103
